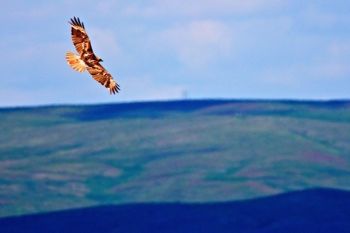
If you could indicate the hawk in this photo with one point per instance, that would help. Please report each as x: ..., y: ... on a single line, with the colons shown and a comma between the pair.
x: 86, y: 58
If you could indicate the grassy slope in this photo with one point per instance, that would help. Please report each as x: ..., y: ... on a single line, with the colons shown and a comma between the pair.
x: 311, y: 211
x: 195, y: 151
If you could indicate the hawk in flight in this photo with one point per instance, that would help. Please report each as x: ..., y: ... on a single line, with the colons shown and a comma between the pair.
x: 86, y: 59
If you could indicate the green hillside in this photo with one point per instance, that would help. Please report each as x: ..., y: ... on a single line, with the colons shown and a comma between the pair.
x: 63, y: 157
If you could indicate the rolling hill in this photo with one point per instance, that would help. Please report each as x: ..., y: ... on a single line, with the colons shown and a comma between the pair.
x: 62, y: 157
x: 311, y: 211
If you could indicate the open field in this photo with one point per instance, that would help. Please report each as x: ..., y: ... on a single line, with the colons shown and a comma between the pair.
x: 62, y: 157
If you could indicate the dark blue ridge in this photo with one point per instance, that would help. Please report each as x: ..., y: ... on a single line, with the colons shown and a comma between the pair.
x: 155, y: 109
x: 309, y: 211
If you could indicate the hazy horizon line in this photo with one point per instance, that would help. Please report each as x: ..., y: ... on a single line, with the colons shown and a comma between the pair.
x: 296, y: 100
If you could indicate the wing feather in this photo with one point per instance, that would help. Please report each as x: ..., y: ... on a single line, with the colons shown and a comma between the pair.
x: 80, y: 38
x: 101, y: 75
x: 75, y: 62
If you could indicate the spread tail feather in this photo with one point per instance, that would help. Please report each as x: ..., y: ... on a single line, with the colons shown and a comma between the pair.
x: 75, y: 62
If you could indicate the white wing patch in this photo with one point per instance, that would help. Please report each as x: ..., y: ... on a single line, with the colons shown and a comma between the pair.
x: 75, y: 62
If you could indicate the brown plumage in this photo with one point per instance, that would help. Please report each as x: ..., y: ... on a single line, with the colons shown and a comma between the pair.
x: 86, y: 59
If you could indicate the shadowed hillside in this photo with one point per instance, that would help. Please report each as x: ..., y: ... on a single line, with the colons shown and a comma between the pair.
x: 312, y: 211
x: 61, y: 157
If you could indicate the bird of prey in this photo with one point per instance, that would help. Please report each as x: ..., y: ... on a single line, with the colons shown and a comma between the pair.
x: 86, y: 59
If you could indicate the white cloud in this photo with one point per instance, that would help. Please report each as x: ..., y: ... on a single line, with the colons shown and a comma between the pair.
x: 201, y: 7
x: 339, y: 49
x: 146, y: 88
x: 104, y: 42
x: 280, y: 78
x: 105, y: 7
x: 335, y: 64
x: 21, y: 11
x: 24, y: 97
x: 199, y: 43
x: 315, y: 16
x: 328, y: 70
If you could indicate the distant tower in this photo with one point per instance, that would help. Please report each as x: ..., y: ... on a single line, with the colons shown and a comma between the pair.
x: 184, y: 94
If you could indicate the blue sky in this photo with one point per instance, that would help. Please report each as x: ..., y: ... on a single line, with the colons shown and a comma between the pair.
x: 166, y: 49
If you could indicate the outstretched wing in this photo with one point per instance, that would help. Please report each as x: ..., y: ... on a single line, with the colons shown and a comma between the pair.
x: 80, y: 38
x: 101, y: 75
x: 75, y: 62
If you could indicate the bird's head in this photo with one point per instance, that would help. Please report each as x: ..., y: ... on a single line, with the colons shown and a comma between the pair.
x: 99, y: 59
